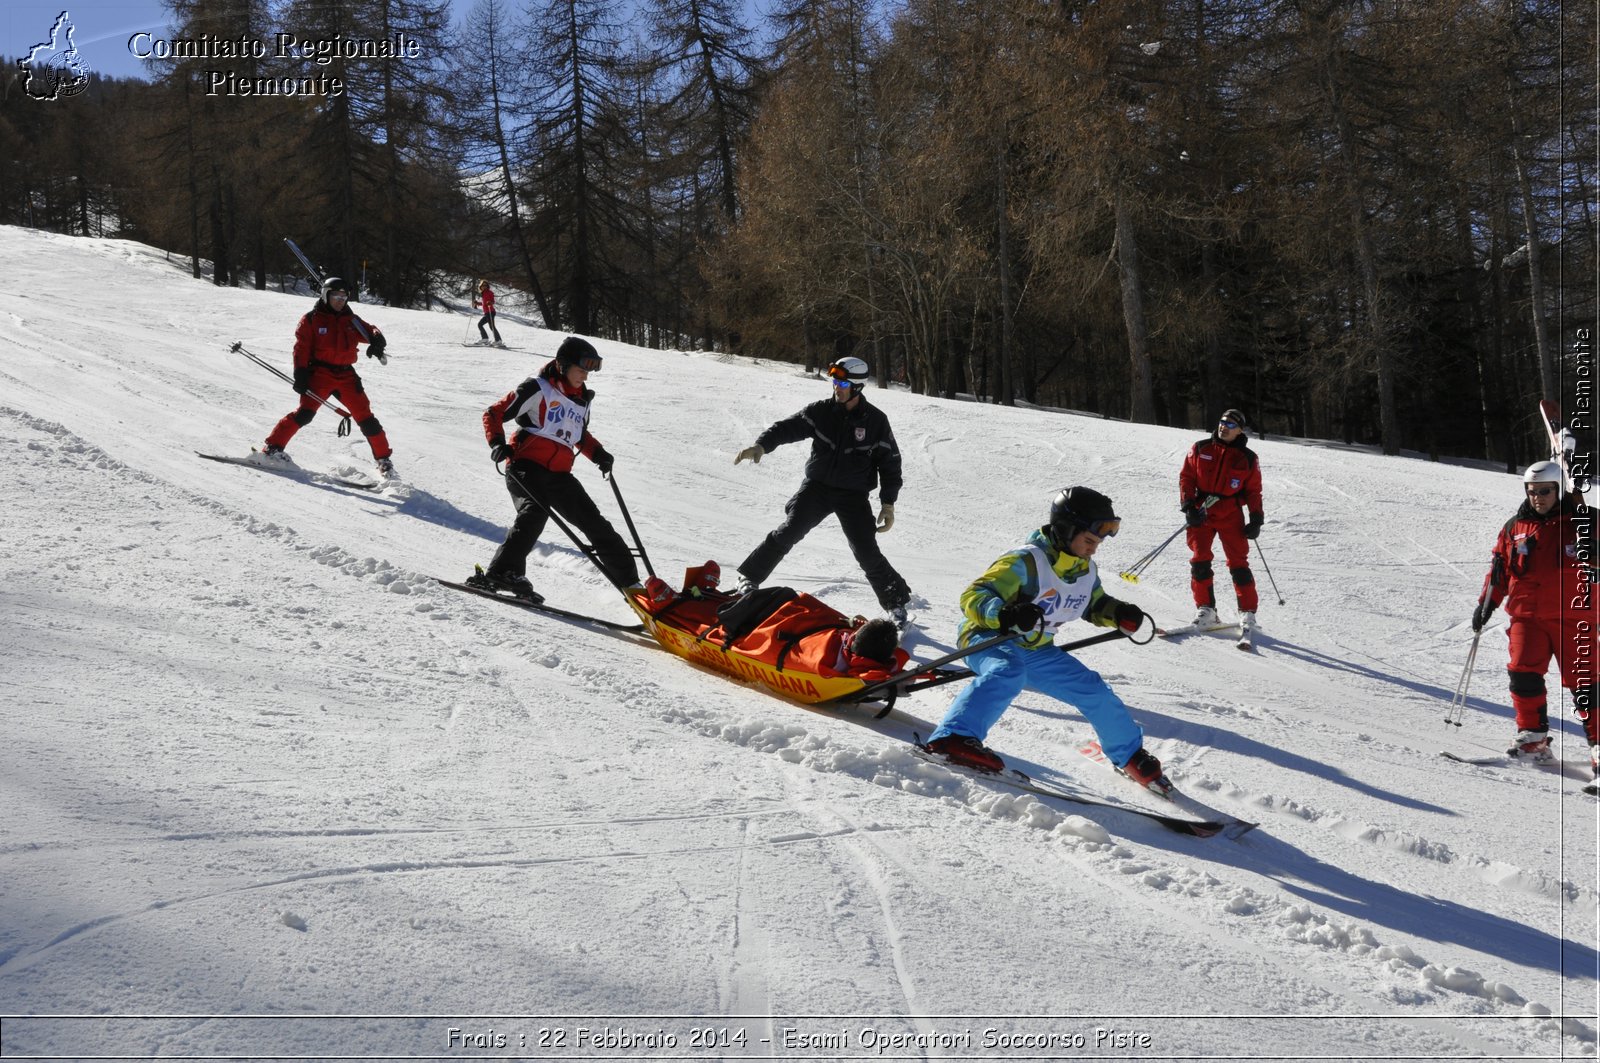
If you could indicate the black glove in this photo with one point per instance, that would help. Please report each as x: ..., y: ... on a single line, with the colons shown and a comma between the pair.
x: 302, y: 379
x: 1480, y: 615
x: 1020, y: 616
x: 1252, y: 527
x: 375, y: 348
x: 604, y: 460
x: 499, y: 452
x: 1129, y: 616
x: 1193, y: 515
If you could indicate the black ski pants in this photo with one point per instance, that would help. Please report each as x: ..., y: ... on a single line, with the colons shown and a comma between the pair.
x: 809, y: 507
x: 535, y: 488
x: 488, y: 319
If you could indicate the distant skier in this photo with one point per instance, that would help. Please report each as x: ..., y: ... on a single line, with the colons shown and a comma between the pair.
x: 852, y: 451
x: 325, y: 349
x: 551, y: 411
x: 1037, y: 588
x: 1543, y: 569
x: 484, y: 301
x: 1223, y: 467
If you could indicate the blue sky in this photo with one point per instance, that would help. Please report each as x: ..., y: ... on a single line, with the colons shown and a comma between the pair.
x: 103, y: 29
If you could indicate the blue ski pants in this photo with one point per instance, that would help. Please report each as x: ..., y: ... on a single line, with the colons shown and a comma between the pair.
x: 1004, y: 671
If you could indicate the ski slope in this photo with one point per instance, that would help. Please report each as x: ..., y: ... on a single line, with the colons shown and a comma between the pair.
x: 270, y: 791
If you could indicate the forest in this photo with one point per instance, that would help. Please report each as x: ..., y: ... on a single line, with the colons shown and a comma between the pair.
x: 1361, y: 220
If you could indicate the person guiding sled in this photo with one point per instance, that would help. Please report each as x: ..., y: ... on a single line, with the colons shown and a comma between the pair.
x: 551, y: 411
x: 852, y: 452
x: 1542, y: 569
x: 1036, y: 589
x: 484, y: 301
x: 326, y: 343
x: 1220, y: 479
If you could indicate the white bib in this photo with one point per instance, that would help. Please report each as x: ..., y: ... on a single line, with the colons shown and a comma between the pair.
x: 564, y: 417
x: 1063, y: 601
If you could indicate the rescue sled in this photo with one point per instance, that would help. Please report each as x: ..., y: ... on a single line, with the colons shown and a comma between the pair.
x: 791, y: 644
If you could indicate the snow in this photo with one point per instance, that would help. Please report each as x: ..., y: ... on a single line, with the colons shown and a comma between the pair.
x: 270, y: 790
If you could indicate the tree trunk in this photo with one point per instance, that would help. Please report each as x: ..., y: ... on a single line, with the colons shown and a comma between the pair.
x: 1141, y: 382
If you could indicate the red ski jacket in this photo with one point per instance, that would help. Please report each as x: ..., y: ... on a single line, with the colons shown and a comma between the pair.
x: 1227, y: 470
x: 1542, y: 567
x: 485, y: 300
x: 527, y: 444
x: 328, y: 337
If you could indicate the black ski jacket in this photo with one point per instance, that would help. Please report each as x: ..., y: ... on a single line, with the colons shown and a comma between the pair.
x: 850, y: 449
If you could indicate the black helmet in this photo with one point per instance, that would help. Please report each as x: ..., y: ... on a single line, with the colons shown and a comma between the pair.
x: 1077, y: 509
x: 1235, y: 417
x: 576, y: 351
x: 334, y: 284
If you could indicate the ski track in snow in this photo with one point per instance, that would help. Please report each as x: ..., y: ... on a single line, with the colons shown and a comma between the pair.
x: 268, y: 750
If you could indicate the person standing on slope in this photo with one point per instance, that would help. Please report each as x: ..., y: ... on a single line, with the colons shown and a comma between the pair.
x: 1037, y: 588
x: 484, y: 301
x: 852, y: 451
x: 325, y: 348
x: 551, y: 411
x: 1224, y: 470
x: 1542, y: 568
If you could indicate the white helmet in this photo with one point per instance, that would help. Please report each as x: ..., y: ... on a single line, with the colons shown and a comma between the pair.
x: 850, y: 370
x: 1544, y: 472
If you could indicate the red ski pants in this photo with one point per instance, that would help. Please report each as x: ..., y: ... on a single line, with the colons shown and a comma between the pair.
x: 344, y: 384
x: 1571, y: 641
x: 1236, y: 548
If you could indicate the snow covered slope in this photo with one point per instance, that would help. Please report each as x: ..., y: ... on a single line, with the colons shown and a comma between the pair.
x: 256, y: 763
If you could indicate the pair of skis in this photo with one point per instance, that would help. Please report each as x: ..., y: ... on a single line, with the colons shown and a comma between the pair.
x: 1208, y: 822
x: 1244, y: 637
x: 290, y: 470
x: 1569, y: 769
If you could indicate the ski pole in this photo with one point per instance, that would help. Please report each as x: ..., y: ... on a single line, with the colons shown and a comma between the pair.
x: 629, y: 520
x: 1268, y: 569
x: 345, y: 418
x: 316, y: 275
x: 587, y: 549
x: 1458, y: 700
x: 1135, y: 570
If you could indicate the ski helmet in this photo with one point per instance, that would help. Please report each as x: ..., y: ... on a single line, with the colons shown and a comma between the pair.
x: 335, y: 284
x: 1544, y: 472
x: 1078, y: 509
x: 576, y: 351
x: 849, y: 371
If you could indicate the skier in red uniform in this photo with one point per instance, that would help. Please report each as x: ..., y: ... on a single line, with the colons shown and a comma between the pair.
x: 1222, y: 469
x: 484, y: 301
x: 551, y: 411
x: 1542, y: 568
x: 325, y: 349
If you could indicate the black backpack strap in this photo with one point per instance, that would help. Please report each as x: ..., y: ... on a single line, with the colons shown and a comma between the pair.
x: 743, y: 615
x: 791, y: 641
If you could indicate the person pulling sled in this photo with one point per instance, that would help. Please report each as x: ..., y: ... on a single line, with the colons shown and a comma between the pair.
x: 551, y: 411
x: 1036, y: 589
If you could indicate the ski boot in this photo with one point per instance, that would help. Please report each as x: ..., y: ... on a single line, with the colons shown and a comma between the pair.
x: 1145, y: 769
x: 968, y: 752
x: 1531, y: 745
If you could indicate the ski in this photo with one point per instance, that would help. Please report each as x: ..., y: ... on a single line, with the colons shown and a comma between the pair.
x: 493, y: 346
x: 522, y: 603
x: 1231, y: 826
x: 1578, y: 771
x: 292, y: 472
x: 1193, y: 629
x: 1020, y: 781
x: 1563, y: 445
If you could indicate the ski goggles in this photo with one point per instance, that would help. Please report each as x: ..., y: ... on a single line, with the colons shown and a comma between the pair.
x: 589, y: 363
x: 1100, y: 529
x: 1227, y: 424
x: 1541, y: 492
x: 841, y: 379
x: 1104, y: 529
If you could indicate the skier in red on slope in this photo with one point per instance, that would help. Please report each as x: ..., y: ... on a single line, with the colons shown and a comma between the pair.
x: 1223, y: 467
x: 325, y: 348
x: 551, y: 411
x: 484, y: 301
x: 1543, y: 569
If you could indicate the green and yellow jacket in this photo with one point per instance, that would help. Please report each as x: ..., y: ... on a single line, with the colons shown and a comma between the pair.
x: 1066, y: 587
